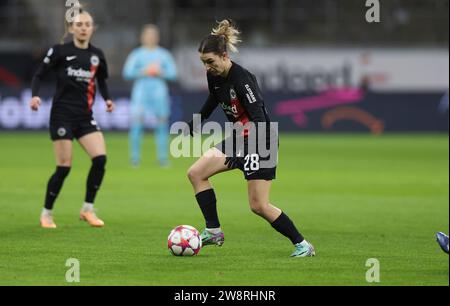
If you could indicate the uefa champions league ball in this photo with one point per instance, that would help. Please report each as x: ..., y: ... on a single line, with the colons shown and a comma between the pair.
x: 184, y: 240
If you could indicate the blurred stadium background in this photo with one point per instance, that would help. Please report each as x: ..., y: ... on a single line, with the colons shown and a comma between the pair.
x: 320, y: 64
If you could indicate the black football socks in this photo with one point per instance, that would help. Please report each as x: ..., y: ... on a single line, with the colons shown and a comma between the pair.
x: 94, y: 182
x: 54, y: 186
x: 95, y: 178
x: 286, y: 227
x: 208, y: 204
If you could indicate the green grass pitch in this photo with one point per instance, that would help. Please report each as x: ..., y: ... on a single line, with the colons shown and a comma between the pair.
x: 354, y: 197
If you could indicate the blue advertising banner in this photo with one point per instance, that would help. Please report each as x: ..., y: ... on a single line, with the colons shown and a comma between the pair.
x: 345, y: 109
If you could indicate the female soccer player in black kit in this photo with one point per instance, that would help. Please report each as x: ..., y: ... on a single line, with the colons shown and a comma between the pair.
x: 236, y: 90
x: 78, y: 65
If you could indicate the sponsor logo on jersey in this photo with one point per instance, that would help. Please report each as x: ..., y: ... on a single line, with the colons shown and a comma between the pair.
x: 95, y: 61
x: 250, y: 95
x: 233, y: 94
x: 71, y: 58
x: 80, y: 73
x: 230, y: 109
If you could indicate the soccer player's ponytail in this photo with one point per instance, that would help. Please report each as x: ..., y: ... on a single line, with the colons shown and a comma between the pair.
x: 223, y: 38
x: 229, y: 32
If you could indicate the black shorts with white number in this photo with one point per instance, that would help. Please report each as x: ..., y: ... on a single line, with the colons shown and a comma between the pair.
x: 254, y: 164
x: 68, y: 130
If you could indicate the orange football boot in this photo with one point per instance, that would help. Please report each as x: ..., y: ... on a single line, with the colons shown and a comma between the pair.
x: 47, y: 222
x: 91, y: 218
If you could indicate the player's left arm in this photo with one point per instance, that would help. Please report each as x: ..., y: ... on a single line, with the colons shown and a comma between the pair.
x: 102, y: 75
x: 249, y: 94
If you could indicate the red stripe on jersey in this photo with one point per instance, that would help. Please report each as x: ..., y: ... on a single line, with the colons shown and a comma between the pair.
x: 242, y: 115
x: 91, y: 88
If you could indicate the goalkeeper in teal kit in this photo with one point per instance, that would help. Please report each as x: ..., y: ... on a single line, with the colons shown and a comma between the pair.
x: 150, y: 67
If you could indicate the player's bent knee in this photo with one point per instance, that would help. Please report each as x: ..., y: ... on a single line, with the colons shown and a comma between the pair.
x: 258, y: 208
x: 196, y: 174
x: 193, y: 174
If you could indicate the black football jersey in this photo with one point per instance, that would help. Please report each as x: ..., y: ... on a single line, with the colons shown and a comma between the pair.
x: 77, y: 71
x: 238, y: 95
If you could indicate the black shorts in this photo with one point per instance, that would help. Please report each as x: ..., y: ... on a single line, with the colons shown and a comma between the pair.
x: 254, y: 165
x: 68, y: 130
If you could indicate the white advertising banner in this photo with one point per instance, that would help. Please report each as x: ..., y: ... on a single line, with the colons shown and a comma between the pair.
x: 304, y: 69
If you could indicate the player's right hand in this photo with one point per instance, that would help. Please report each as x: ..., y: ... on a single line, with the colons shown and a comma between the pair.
x: 232, y: 162
x: 35, y: 103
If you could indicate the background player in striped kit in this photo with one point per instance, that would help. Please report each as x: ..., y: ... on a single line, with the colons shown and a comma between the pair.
x: 78, y: 65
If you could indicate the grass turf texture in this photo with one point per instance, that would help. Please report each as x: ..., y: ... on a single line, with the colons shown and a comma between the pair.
x: 354, y: 196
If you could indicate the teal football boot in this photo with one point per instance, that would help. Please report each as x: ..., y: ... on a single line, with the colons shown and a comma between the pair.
x: 304, y: 249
